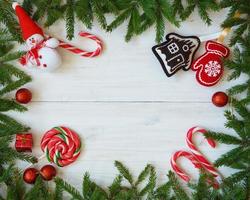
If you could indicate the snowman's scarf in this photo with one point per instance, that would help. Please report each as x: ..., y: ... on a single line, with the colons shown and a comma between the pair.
x: 32, y: 54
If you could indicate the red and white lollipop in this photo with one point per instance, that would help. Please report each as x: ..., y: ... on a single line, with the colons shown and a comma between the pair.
x: 61, y: 145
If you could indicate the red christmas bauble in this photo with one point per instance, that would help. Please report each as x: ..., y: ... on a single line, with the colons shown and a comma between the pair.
x: 48, y: 172
x: 23, y: 95
x: 30, y: 175
x: 220, y: 99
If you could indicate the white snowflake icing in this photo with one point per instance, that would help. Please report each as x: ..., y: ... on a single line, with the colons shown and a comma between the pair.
x: 213, y: 68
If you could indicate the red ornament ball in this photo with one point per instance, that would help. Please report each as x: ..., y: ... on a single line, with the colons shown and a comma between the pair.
x: 220, y: 99
x: 48, y: 172
x: 30, y: 175
x: 23, y: 95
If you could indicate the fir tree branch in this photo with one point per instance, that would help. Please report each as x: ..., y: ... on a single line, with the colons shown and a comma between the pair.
x: 237, y: 125
x: 84, y: 12
x: 178, y: 191
x: 10, y: 126
x: 7, y: 19
x: 67, y: 187
x: 115, y: 187
x: 15, y: 185
x: 70, y: 19
x: 203, y: 7
x: 202, y: 190
x: 11, y: 56
x: 143, y: 175
x: 223, y: 138
x: 6, y: 174
x: 232, y: 156
x: 163, y: 191
x: 237, y: 177
x: 9, y: 155
x: 54, y: 14
x: 58, y: 193
x: 90, y: 189
x: 124, y: 172
x: 42, y: 8
x: 97, y: 10
x: 241, y: 109
x: 5, y: 37
x: 38, y: 191
x: 242, y: 22
x: 119, y: 20
x: 237, y: 89
x: 27, y: 5
x: 149, y: 188
x: 7, y: 105
x: 12, y: 85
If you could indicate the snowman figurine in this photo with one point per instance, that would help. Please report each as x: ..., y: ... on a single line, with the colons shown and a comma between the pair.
x: 42, y: 53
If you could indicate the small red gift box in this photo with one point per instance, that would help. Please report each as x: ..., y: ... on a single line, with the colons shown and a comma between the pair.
x: 24, y: 142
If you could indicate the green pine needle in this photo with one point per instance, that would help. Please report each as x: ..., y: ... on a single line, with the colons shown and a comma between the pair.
x: 124, y: 172
x: 7, y: 105
x: 115, y: 187
x: 68, y: 188
x: 223, y: 138
x: 178, y: 190
x: 150, y: 186
x: 84, y: 12
x: 143, y: 175
x: 203, y: 7
x: 70, y: 19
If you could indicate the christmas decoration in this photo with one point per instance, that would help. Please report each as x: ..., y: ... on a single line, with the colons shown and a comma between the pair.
x: 30, y: 175
x: 209, y: 67
x: 61, y: 145
x: 80, y: 52
x: 220, y: 99
x: 48, y: 172
x: 23, y: 95
x: 198, y: 155
x: 24, y: 142
x: 177, y: 169
x: 195, y: 157
x: 176, y: 53
x: 42, y: 52
x: 235, y: 185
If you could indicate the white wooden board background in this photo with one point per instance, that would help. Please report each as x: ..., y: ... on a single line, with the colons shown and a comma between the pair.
x: 123, y: 106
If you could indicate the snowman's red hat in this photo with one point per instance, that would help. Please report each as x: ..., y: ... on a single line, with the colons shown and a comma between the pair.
x: 27, y: 25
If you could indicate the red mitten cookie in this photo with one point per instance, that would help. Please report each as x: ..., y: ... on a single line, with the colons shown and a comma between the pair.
x: 209, y: 66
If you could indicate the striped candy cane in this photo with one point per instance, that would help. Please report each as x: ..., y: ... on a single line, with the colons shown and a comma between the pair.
x: 81, y: 52
x: 205, y: 163
x: 194, y: 161
x: 196, y: 158
x: 177, y: 169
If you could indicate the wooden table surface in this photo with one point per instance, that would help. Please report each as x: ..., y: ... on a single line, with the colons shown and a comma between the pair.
x: 123, y: 106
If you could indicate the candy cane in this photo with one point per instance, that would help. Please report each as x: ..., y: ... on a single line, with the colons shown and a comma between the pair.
x: 61, y: 146
x: 195, y: 162
x: 196, y: 158
x: 205, y: 163
x: 81, y: 52
x: 177, y: 169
